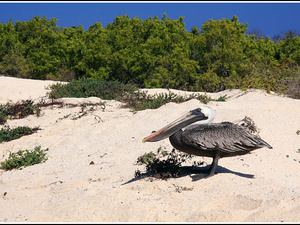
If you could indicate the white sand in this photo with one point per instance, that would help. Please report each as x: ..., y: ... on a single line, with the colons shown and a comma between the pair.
x: 66, y: 188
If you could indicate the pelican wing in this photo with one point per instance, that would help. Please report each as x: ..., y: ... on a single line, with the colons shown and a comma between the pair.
x: 225, y: 137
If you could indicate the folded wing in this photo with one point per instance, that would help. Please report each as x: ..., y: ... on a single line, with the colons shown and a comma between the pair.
x: 226, y: 137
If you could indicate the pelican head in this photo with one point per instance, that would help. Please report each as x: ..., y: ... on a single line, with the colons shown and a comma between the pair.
x: 201, y: 115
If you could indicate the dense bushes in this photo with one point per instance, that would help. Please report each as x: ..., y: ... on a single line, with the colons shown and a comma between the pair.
x: 151, y: 53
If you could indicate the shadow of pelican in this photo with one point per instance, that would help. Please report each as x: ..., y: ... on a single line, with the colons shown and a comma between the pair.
x: 195, y: 173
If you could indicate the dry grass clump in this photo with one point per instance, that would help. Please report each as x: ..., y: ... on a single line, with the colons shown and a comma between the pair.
x: 165, y: 164
x: 293, y: 88
x: 18, y: 110
x: 249, y: 124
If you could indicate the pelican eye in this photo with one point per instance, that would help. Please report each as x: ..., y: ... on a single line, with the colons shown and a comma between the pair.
x: 196, y: 111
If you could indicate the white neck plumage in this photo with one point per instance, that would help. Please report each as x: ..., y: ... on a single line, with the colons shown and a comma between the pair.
x: 208, y: 112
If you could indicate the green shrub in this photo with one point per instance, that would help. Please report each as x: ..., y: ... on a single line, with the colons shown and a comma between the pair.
x: 83, y: 88
x: 14, y: 64
x: 146, y: 158
x: 210, y: 82
x: 8, y: 134
x: 4, y: 113
x: 24, y: 158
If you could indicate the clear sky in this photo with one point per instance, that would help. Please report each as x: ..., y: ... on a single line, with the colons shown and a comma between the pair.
x: 271, y: 18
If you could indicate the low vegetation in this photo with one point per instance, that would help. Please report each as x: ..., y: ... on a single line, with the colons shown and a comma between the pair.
x: 18, y: 110
x: 83, y: 88
x: 142, y: 100
x: 163, y: 164
x: 24, y: 158
x: 126, y: 93
x: 8, y: 134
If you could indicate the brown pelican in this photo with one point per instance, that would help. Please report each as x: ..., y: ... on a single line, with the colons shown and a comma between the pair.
x: 194, y: 133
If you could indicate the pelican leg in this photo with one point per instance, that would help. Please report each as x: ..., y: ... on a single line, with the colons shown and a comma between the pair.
x: 211, y: 170
x: 214, y: 165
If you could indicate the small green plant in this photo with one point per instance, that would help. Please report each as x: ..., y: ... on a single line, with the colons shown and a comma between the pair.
x: 24, y: 158
x: 146, y: 158
x: 222, y: 98
x: 8, y: 134
x: 163, y: 164
x: 3, y: 113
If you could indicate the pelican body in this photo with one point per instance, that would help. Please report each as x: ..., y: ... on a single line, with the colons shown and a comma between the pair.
x: 194, y: 133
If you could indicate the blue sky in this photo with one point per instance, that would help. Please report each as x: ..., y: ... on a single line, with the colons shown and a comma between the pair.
x: 271, y: 18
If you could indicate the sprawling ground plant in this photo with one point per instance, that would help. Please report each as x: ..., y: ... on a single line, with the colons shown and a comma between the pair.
x: 8, y: 134
x: 24, y: 158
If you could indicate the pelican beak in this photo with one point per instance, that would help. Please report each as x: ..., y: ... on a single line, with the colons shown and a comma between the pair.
x: 190, y: 117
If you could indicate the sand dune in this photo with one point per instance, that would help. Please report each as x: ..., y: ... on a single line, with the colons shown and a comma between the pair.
x: 263, y: 186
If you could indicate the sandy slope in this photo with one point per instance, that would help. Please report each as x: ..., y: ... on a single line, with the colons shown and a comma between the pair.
x: 260, y: 187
